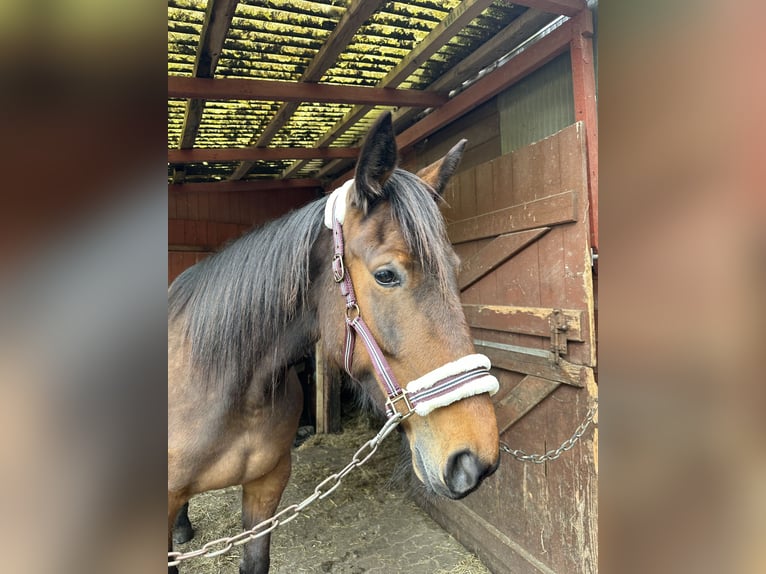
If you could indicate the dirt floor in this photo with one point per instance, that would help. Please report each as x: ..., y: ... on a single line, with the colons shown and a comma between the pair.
x: 368, y: 525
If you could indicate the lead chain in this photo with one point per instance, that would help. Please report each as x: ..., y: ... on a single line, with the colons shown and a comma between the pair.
x: 553, y: 454
x: 223, y: 545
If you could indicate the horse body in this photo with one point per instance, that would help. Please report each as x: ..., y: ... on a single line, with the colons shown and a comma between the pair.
x: 239, y: 318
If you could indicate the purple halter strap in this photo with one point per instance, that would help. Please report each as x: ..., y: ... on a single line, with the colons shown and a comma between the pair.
x: 444, y: 385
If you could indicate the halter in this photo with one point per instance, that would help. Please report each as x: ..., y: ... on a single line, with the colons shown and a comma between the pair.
x: 444, y: 385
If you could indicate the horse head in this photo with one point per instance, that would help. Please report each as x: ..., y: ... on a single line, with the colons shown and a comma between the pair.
x: 404, y: 274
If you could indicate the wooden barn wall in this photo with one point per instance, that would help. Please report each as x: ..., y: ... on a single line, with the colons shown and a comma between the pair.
x: 538, y: 106
x: 528, y: 518
x: 201, y: 222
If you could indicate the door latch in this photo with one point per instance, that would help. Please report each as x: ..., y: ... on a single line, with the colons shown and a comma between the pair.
x: 559, y: 327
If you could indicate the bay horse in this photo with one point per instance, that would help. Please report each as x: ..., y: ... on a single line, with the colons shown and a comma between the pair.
x: 238, y: 319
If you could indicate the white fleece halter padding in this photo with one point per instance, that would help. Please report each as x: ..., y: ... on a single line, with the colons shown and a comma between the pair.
x: 485, y: 384
x: 337, y: 196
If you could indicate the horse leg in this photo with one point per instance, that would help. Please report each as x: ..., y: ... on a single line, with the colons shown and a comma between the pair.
x: 260, y: 499
x: 182, y: 527
x: 175, y: 504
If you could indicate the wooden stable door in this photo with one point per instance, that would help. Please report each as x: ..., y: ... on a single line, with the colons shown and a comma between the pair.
x: 520, y: 225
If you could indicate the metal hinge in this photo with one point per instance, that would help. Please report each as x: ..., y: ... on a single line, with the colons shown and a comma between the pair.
x: 559, y: 327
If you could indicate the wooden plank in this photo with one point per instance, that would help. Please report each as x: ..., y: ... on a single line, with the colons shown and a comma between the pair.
x: 259, y: 154
x: 577, y: 282
x: 275, y: 90
x: 525, y: 396
x: 546, y: 212
x: 327, y: 395
x: 355, y: 15
x: 497, y: 550
x: 175, y: 231
x: 442, y: 33
x: 494, y: 254
x: 523, y: 320
x: 246, y: 185
x: 532, y: 362
x: 563, y: 7
x: 183, y: 248
x: 584, y: 88
x: 535, y: 56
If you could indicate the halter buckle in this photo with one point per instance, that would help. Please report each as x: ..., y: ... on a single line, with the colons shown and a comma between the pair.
x: 338, y: 271
x: 406, y: 410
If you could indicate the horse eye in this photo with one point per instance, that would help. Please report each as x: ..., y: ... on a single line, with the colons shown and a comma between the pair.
x: 386, y: 278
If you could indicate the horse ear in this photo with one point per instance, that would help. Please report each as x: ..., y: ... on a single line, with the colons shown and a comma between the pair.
x: 377, y: 161
x: 438, y: 173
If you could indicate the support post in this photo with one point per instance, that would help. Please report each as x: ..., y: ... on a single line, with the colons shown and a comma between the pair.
x: 584, y: 84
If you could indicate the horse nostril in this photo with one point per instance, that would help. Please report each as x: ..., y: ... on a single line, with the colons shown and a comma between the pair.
x: 463, y: 473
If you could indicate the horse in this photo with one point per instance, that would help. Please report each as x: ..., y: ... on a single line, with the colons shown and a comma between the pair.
x: 240, y: 318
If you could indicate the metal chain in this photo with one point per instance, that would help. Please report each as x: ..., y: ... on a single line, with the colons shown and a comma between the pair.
x: 553, y: 454
x: 291, y: 512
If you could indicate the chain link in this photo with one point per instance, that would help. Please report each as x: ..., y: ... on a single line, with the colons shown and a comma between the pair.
x: 553, y: 454
x: 211, y: 549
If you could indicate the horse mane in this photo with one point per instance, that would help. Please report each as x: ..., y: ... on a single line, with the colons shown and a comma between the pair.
x: 235, y: 304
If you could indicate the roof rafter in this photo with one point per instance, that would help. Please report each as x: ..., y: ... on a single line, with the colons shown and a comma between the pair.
x: 218, y: 16
x: 356, y: 14
x: 259, y: 154
x: 563, y: 7
x: 247, y: 185
x: 459, y: 17
x: 273, y: 90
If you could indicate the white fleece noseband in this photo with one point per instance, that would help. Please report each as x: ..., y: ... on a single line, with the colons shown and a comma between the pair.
x: 466, y: 377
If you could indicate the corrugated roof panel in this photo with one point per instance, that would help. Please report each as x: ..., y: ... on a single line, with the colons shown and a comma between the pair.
x: 176, y: 110
x: 231, y: 123
x: 309, y: 122
x: 185, y: 20
x: 277, y: 40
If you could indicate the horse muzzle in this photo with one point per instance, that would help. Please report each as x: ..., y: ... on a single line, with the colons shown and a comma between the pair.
x: 462, y: 474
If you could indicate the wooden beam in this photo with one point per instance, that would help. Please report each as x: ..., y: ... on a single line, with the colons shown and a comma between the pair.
x: 218, y: 18
x: 535, y: 56
x: 564, y: 7
x: 494, y: 254
x: 246, y: 185
x: 535, y: 362
x: 356, y: 14
x: 534, y: 321
x: 248, y: 89
x: 459, y: 17
x: 178, y: 248
x: 584, y: 88
x: 256, y: 154
x: 521, y: 399
x: 544, y: 212
x: 489, y: 52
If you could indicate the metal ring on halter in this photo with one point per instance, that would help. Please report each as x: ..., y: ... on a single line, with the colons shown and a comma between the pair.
x: 350, y: 311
